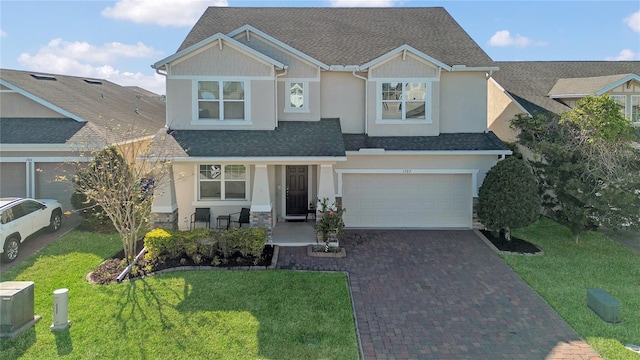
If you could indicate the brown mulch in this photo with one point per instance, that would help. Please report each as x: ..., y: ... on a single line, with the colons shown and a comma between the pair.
x: 108, y: 271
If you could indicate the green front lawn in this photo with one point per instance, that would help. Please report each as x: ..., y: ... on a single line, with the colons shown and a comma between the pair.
x: 181, y: 315
x: 563, y: 275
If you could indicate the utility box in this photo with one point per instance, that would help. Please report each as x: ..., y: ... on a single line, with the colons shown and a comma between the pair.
x: 604, y: 304
x: 16, y: 307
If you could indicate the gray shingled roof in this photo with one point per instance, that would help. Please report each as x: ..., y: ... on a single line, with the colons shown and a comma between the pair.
x: 442, y: 142
x: 38, y: 130
x: 291, y: 138
x: 584, y: 86
x: 350, y: 36
x: 531, y: 81
x: 99, y: 102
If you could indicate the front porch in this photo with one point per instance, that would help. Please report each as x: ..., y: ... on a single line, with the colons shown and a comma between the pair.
x: 293, y: 233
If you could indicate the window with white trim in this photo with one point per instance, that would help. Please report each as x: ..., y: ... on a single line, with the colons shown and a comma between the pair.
x: 222, y: 182
x: 221, y: 100
x: 635, y: 109
x: 296, y: 96
x: 622, y: 100
x: 405, y: 100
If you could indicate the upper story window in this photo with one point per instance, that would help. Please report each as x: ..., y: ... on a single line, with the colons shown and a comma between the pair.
x: 222, y: 182
x: 296, y: 97
x: 221, y: 100
x: 635, y: 109
x: 405, y: 100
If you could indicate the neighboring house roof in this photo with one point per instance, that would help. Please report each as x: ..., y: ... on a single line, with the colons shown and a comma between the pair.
x: 444, y: 142
x: 291, y: 138
x: 580, y: 87
x: 349, y: 36
x: 38, y: 130
x: 531, y: 82
x: 97, y: 107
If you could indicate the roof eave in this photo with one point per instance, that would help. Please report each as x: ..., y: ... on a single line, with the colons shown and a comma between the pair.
x: 161, y: 65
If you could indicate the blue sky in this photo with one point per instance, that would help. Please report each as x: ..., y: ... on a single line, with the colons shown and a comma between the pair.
x: 119, y: 40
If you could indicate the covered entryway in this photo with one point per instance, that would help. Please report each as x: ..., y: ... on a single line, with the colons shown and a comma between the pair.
x: 397, y: 200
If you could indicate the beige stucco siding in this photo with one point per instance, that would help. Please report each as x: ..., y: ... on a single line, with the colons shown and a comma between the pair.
x: 14, y: 105
x: 185, y: 181
x: 501, y: 109
x: 298, y: 68
x: 211, y: 61
x: 181, y: 102
x: 342, y: 96
x: 312, y: 113
x: 463, y: 102
x: 410, y: 67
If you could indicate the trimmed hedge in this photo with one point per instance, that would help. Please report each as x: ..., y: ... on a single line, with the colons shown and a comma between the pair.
x: 198, y: 244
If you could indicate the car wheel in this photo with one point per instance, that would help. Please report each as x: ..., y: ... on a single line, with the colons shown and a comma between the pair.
x: 56, y: 221
x: 11, y: 248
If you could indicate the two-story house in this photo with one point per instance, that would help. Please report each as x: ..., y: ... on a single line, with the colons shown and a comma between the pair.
x: 47, y: 119
x: 382, y: 110
x: 540, y: 87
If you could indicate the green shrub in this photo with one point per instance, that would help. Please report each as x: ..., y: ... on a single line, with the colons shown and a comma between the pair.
x: 508, y: 198
x: 203, y: 243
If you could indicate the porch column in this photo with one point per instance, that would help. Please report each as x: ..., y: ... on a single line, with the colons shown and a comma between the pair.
x: 261, y: 208
x: 164, y: 210
x: 326, y: 187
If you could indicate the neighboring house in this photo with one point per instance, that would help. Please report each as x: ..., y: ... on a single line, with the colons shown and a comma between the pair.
x: 540, y: 87
x: 383, y: 110
x: 46, y: 118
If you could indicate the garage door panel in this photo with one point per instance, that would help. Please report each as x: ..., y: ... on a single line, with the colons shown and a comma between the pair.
x: 412, y: 201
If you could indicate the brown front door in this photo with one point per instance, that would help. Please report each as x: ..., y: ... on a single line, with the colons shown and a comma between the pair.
x: 297, y: 195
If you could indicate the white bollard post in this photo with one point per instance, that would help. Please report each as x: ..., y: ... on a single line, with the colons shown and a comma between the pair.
x: 60, y: 310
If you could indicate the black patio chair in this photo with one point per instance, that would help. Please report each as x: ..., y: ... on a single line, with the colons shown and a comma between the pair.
x: 241, y: 217
x: 201, y: 215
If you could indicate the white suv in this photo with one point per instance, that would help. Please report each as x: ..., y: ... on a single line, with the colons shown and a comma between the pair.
x: 21, y: 218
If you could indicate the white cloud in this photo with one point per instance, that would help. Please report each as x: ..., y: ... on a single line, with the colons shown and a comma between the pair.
x: 504, y: 38
x: 364, y: 3
x: 161, y: 12
x: 625, y: 54
x: 84, y: 59
x: 2, y: 33
x: 633, y: 21
x: 105, y: 53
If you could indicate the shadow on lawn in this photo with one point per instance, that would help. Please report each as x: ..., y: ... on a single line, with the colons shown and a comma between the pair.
x: 240, y: 312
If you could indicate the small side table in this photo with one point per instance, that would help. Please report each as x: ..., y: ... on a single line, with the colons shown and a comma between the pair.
x: 223, y: 221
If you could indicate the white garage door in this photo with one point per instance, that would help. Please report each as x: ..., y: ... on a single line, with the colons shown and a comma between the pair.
x: 407, y: 201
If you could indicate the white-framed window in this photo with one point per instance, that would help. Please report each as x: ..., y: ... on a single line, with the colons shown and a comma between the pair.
x: 635, y: 109
x: 405, y: 100
x: 220, y: 100
x: 296, y: 96
x: 622, y: 100
x: 222, y: 182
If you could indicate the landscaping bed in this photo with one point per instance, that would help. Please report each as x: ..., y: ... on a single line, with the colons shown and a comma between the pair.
x: 202, y: 248
x: 515, y: 245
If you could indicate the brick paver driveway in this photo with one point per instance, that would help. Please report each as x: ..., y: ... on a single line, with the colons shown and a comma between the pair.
x: 442, y: 295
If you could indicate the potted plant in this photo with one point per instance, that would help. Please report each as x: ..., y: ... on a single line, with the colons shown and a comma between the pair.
x: 329, y: 224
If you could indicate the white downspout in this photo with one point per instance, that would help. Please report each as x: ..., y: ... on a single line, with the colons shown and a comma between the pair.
x: 286, y: 70
x: 366, y: 101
